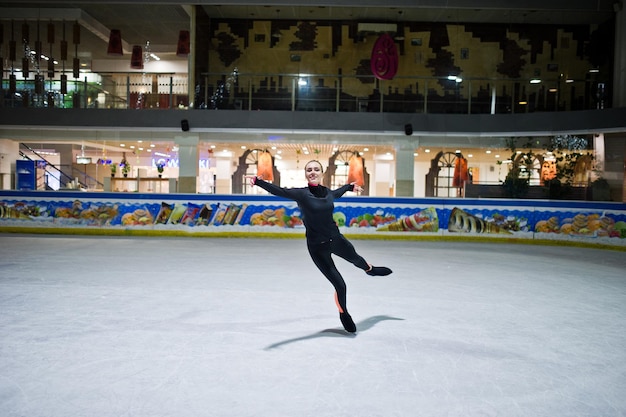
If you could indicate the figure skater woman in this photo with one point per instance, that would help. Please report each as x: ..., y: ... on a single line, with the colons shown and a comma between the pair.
x: 323, y: 237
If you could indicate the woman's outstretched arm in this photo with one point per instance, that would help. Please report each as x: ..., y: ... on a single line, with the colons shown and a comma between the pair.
x: 271, y: 188
x: 353, y: 186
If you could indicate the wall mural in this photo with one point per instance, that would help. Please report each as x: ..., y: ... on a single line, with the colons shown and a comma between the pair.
x: 513, y: 61
x: 425, y: 49
x: 603, y: 224
x: 227, y: 48
x: 306, y: 34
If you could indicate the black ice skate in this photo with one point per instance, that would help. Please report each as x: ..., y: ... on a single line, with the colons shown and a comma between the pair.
x: 378, y: 271
x: 347, y: 322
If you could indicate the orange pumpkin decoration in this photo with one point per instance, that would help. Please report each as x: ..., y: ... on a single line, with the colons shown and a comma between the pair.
x: 265, y: 167
x: 355, y: 170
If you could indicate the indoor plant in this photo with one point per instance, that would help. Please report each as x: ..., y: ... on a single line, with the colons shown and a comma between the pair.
x: 125, y: 169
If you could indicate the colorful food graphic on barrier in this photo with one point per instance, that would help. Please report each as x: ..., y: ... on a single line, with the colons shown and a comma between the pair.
x: 584, y: 225
x: 137, y: 217
x: 462, y: 222
x: 423, y: 221
x: 487, y: 221
x: 19, y: 210
x: 366, y: 219
x: 71, y: 212
x: 508, y: 221
x: 275, y: 217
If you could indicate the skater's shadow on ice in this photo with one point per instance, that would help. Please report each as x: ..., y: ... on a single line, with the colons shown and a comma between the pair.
x: 361, y: 326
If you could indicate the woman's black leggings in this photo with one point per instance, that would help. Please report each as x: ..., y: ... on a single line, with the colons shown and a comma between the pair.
x: 321, y: 255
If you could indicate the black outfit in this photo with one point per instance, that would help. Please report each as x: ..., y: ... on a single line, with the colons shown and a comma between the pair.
x: 323, y: 237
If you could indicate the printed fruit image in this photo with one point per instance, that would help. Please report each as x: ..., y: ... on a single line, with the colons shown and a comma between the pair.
x: 277, y: 217
x: 292, y: 221
x: 592, y: 225
x: 371, y: 220
x: 620, y: 228
x: 339, y: 218
x: 138, y: 217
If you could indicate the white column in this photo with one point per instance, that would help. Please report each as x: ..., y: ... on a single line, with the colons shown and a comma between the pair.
x: 188, y: 162
x: 405, y: 167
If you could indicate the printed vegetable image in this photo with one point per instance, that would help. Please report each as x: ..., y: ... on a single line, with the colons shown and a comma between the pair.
x: 371, y: 220
x: 339, y: 218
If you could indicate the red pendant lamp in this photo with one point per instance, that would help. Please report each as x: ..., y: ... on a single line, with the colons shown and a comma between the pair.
x: 12, y: 50
x: 12, y: 57
x: 12, y: 84
x: 25, y: 33
x: 25, y: 67
x: 136, y: 59
x: 39, y: 84
x: 76, y: 67
x: 183, y: 47
x: 63, y: 58
x: 63, y: 50
x: 76, y: 60
x: 115, y: 43
x: 51, y: 33
x: 63, y: 84
x: 25, y: 40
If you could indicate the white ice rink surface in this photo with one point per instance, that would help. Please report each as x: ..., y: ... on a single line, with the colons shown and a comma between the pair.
x: 184, y: 327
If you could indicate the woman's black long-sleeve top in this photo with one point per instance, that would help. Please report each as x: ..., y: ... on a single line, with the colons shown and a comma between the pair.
x: 316, y: 203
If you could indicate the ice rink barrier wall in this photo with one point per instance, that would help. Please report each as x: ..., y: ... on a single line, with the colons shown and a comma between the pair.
x: 210, y: 215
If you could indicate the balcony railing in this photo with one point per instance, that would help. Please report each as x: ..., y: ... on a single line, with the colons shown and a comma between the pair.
x: 320, y: 92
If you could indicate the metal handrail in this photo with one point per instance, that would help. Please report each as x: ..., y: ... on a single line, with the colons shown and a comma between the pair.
x: 338, y: 93
x: 56, y: 172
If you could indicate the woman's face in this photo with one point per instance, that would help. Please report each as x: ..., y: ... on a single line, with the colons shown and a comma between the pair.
x: 313, y: 172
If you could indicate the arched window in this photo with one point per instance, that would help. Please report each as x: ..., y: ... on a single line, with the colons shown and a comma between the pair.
x: 338, y: 168
x: 247, y: 167
x: 440, y: 178
x: 530, y: 167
